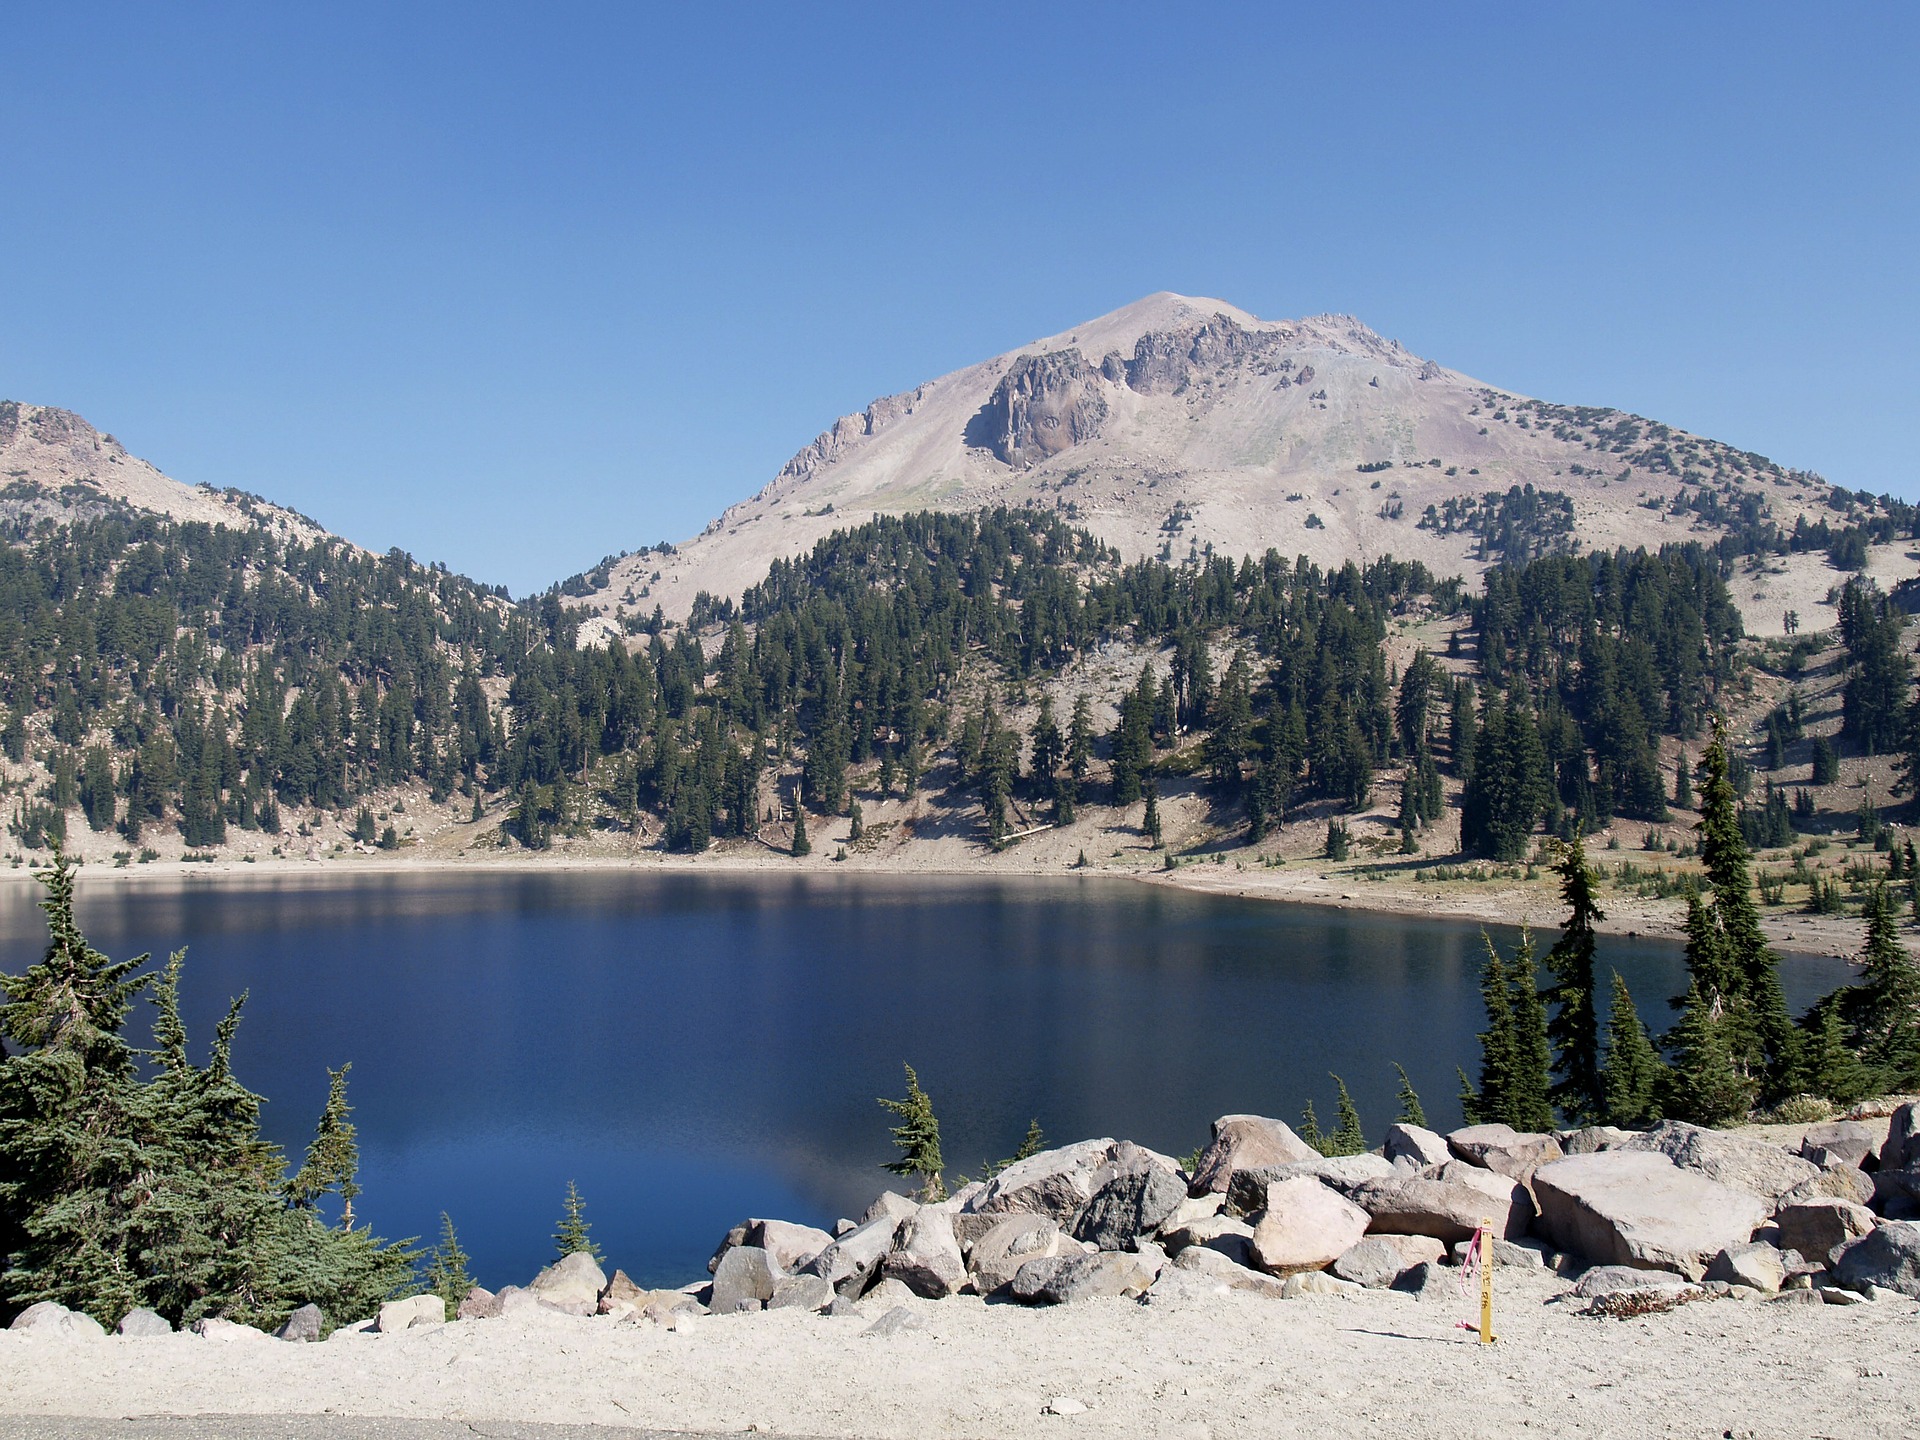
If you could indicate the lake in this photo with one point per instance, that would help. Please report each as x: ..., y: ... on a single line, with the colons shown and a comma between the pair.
x: 694, y: 1049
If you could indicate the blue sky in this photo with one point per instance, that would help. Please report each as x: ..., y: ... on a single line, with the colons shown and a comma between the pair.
x: 514, y: 287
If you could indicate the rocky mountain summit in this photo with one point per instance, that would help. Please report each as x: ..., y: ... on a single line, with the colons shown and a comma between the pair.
x: 56, y: 466
x: 1176, y: 424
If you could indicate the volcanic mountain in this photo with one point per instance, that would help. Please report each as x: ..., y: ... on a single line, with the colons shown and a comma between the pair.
x: 1177, y: 424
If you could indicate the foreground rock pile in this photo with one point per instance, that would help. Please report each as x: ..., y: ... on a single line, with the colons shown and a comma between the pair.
x: 1639, y: 1221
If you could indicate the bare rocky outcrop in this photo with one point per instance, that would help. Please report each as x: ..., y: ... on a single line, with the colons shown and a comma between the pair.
x: 1043, y: 405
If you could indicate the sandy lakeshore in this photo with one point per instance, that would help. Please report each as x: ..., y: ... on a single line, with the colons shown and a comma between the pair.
x: 1378, y: 1363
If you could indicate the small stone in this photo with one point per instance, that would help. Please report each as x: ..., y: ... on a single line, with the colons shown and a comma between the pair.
x: 894, y: 1322
x: 479, y: 1304
x: 1316, y: 1282
x: 212, y: 1327
x: 143, y: 1324
x: 1757, y: 1265
x: 1804, y: 1296
x: 1063, y: 1405
x: 1612, y: 1279
x: 303, y: 1325
x: 1835, y: 1295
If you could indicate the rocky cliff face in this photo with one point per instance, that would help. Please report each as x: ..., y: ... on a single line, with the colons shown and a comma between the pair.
x: 1200, y: 426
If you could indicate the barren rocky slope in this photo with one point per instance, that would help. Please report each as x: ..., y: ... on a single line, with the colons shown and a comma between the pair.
x: 1178, y: 422
x: 54, y: 465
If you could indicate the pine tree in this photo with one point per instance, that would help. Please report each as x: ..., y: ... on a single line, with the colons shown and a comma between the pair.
x: 1633, y: 1073
x: 1150, y: 822
x: 1031, y: 1143
x: 1310, y: 1129
x: 917, y: 1137
x: 332, y: 1165
x: 1530, y: 1104
x: 1833, y: 1069
x: 1347, y: 1138
x: 446, y: 1274
x: 574, y: 1233
x: 1575, y: 1027
x: 1702, y: 1085
x: 1883, y: 1009
x: 801, y: 845
x: 1411, y: 1112
x: 1491, y: 1100
x: 1682, y: 783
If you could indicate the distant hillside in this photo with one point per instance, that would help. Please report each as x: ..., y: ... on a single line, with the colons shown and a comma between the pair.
x: 55, y: 466
x: 1178, y: 424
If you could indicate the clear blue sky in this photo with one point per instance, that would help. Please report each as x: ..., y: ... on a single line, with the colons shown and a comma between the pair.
x: 514, y: 287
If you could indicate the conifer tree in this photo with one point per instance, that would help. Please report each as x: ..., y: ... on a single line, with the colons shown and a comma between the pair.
x: 575, y: 1231
x: 1347, y: 1138
x: 446, y: 1273
x: 1702, y: 1085
x: 1633, y: 1072
x: 1031, y: 1143
x: 917, y: 1137
x: 801, y: 845
x: 1682, y: 783
x: 1883, y: 1010
x: 1411, y: 1112
x: 1490, y: 1101
x: 1310, y: 1129
x: 1530, y: 1106
x: 1150, y: 822
x: 1833, y: 1069
x: 333, y: 1156
x: 1575, y: 1027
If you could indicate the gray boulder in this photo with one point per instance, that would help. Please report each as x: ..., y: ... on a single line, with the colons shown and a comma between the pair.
x: 925, y: 1256
x: 304, y: 1325
x: 1834, y: 1182
x: 790, y: 1245
x: 1889, y: 1258
x: 1448, y: 1209
x: 1503, y: 1150
x: 850, y: 1263
x: 1014, y: 1240
x: 1739, y: 1161
x: 1232, y: 1237
x: 1054, y: 1183
x: 889, y: 1203
x: 1591, y: 1138
x: 571, y: 1284
x: 1816, y: 1228
x: 896, y: 1321
x: 214, y: 1327
x: 1902, y: 1145
x: 746, y: 1273
x: 1430, y: 1280
x: 145, y: 1324
x: 1636, y: 1207
x: 1132, y: 1196
x: 480, y: 1304
x: 801, y: 1292
x: 1839, y: 1142
x: 1757, y: 1265
x: 1306, y: 1226
x: 1379, y: 1260
x: 1211, y: 1264
x: 398, y: 1315
x: 1104, y: 1274
x: 1612, y: 1279
x: 1247, y: 1189
x: 47, y: 1317
x: 1246, y: 1142
x: 1415, y: 1144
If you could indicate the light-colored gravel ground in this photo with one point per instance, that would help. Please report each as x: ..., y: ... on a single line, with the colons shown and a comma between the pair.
x: 1374, y: 1364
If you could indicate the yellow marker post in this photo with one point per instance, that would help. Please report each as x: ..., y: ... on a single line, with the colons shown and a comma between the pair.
x: 1487, y: 1336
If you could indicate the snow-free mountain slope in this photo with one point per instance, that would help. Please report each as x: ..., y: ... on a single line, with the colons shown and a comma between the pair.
x: 1177, y: 423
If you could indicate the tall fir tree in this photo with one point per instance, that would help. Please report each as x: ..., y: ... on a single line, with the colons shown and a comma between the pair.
x: 917, y: 1137
x: 1347, y: 1138
x: 1574, y: 1028
x: 1530, y: 1106
x: 1882, y: 1011
x: 446, y: 1272
x: 1633, y: 1071
x: 1488, y: 1102
x: 574, y: 1233
x: 1411, y: 1111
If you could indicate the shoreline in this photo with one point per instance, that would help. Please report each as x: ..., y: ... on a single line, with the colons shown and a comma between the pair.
x: 1511, y: 904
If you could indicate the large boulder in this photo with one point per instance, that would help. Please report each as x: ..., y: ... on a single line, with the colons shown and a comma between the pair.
x: 1247, y: 1189
x: 480, y: 1303
x: 1133, y: 1194
x: 1758, y: 1167
x: 144, y: 1324
x: 1590, y: 1138
x: 1418, y: 1146
x: 1757, y: 1265
x: 996, y: 1257
x: 1835, y: 1182
x: 49, y: 1318
x: 850, y: 1263
x: 1503, y: 1150
x: 571, y: 1284
x: 744, y: 1281
x: 1902, y: 1145
x: 1199, y: 1260
x: 1104, y: 1274
x: 1840, y: 1142
x: 801, y: 1292
x: 398, y: 1315
x: 1055, y: 1183
x: 1612, y: 1279
x: 925, y: 1256
x: 1636, y: 1207
x: 1229, y: 1235
x: 789, y: 1245
x: 1896, y: 1193
x: 1307, y: 1226
x: 1445, y: 1205
x: 1246, y: 1142
x: 303, y: 1326
x: 1889, y: 1258
x: 1379, y: 1260
x: 1816, y: 1228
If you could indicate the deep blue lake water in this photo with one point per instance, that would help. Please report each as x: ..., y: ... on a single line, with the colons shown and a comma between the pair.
x: 694, y: 1049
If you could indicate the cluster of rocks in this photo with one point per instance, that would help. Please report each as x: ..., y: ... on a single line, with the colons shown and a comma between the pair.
x: 1828, y: 1217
